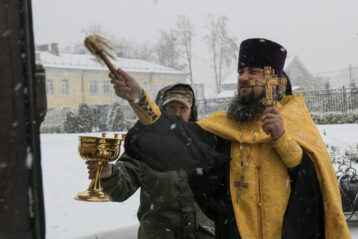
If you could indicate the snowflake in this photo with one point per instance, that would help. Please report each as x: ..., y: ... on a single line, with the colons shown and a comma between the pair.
x: 199, y: 171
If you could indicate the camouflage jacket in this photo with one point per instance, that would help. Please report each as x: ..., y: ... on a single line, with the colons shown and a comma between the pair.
x: 167, y: 206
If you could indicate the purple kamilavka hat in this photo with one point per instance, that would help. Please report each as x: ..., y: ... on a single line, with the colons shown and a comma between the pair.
x: 259, y: 52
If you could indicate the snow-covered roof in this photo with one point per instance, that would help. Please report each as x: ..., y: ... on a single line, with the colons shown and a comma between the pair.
x: 88, y: 62
x: 297, y: 61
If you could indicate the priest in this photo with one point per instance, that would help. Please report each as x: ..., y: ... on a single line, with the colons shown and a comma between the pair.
x: 258, y: 171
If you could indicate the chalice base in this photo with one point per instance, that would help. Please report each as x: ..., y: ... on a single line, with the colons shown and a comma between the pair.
x: 93, y: 196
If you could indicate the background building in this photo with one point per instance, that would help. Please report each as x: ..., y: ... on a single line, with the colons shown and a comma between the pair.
x: 73, y: 79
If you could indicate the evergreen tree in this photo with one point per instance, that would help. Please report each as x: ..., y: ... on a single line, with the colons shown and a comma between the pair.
x: 116, y: 118
x: 85, y: 118
x: 70, y: 124
x: 103, y: 111
x: 327, y: 85
x: 110, y: 115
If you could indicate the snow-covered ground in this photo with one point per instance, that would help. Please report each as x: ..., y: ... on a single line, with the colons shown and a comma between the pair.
x: 65, y: 175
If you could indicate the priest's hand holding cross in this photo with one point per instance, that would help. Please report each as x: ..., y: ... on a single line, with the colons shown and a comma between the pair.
x: 272, y: 122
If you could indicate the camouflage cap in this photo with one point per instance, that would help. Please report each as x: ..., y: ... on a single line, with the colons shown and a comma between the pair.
x: 184, y: 96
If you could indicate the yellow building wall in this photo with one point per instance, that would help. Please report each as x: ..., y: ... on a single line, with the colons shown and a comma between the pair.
x: 100, y: 97
x: 80, y: 86
x: 57, y: 100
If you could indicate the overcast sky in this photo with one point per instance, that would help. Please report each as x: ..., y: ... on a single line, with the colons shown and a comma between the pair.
x: 323, y: 33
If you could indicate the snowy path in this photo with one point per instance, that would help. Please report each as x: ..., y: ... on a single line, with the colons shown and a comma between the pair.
x: 65, y: 175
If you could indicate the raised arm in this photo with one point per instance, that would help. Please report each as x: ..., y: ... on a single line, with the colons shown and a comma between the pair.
x: 129, y: 89
x: 126, y: 86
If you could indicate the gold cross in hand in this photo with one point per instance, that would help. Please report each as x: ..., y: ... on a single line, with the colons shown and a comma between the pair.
x: 241, y: 184
x: 269, y: 80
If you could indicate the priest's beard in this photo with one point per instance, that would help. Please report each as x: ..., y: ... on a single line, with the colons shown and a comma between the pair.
x: 244, y: 108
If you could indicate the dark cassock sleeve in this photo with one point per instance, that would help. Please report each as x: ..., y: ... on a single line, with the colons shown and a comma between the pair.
x: 304, y: 217
x: 172, y: 144
x: 212, y: 191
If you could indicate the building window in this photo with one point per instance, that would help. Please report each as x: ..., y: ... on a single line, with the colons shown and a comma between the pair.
x: 106, y: 87
x: 93, y: 87
x: 65, y: 87
x: 50, y: 87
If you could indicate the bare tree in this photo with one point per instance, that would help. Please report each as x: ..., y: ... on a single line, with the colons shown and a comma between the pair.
x: 121, y: 47
x: 167, y: 50
x: 127, y: 49
x: 145, y: 51
x: 97, y: 29
x: 185, y: 34
x: 222, y: 46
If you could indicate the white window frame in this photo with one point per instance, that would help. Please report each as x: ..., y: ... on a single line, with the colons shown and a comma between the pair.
x: 65, y: 87
x: 106, y: 87
x: 93, y: 87
x: 50, y: 87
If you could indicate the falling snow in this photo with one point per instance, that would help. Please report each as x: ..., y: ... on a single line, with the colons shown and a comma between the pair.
x: 29, y: 159
x: 6, y: 33
x: 3, y: 165
x: 18, y: 87
x: 65, y: 175
x: 199, y: 171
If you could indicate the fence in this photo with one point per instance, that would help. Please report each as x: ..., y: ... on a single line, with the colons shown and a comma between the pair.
x: 208, y: 106
x: 320, y: 101
x: 337, y: 100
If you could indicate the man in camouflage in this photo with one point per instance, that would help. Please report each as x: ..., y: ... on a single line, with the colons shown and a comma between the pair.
x: 167, y: 206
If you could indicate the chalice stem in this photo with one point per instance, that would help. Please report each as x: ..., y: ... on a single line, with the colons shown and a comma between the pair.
x: 98, y: 176
x: 91, y: 186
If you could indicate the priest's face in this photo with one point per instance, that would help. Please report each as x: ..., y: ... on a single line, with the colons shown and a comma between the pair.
x: 247, y: 104
x: 245, y: 75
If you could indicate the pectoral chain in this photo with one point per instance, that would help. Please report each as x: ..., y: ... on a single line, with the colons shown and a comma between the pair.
x: 244, y: 163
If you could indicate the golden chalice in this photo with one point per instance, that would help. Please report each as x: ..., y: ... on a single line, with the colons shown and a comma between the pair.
x: 100, y: 150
